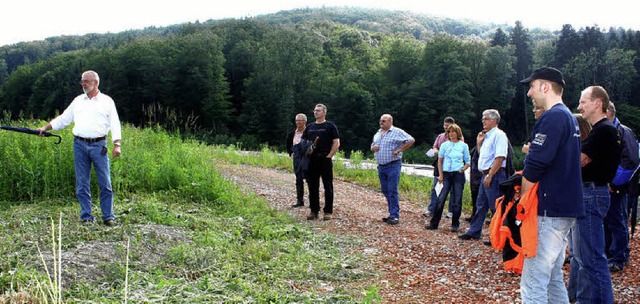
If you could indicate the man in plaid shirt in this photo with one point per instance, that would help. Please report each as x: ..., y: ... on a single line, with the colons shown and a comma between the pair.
x: 388, y: 144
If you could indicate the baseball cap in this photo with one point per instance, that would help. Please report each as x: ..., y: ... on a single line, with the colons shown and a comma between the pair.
x: 546, y: 73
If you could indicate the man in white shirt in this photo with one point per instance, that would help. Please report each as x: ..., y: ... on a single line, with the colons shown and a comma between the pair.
x: 94, y: 115
x: 493, y: 148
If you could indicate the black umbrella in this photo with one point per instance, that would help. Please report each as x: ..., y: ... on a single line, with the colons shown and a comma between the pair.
x: 633, y: 201
x: 31, y: 131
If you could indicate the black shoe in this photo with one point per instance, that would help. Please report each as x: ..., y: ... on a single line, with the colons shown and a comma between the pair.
x: 486, y: 242
x: 110, y: 223
x: 455, y: 229
x: 391, y: 220
x: 296, y: 205
x: 431, y: 227
x: 468, y: 218
x: 87, y: 222
x: 465, y: 236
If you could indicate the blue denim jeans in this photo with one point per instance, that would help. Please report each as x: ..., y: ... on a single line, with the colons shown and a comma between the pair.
x: 589, y: 275
x: 486, y: 201
x: 434, y: 198
x: 616, y: 225
x: 389, y: 178
x: 542, y: 280
x: 452, y: 182
x: 86, y: 154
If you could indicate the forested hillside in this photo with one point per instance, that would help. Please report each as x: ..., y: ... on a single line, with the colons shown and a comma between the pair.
x: 244, y: 80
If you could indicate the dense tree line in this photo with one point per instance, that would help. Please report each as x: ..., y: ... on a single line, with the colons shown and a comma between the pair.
x: 244, y: 80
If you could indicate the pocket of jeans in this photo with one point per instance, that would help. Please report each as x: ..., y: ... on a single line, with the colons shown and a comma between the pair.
x: 560, y: 224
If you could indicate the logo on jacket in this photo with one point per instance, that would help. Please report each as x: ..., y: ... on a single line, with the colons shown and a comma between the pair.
x: 539, y: 139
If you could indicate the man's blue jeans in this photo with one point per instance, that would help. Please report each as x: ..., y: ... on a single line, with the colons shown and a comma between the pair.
x: 542, y: 280
x: 486, y: 201
x: 617, y: 227
x: 589, y: 275
x: 86, y: 154
x: 389, y: 175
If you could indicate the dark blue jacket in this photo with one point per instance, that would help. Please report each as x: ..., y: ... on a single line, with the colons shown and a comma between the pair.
x: 554, y: 161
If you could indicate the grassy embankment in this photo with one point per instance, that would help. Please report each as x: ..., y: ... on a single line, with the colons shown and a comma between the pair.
x: 193, y: 236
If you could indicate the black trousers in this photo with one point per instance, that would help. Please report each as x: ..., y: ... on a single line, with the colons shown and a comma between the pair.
x: 299, y: 179
x: 320, y: 167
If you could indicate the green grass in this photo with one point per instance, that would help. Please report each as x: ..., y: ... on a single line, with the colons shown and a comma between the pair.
x: 186, y: 235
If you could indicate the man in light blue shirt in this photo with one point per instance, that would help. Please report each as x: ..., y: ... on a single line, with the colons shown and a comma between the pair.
x: 388, y: 144
x: 494, y: 146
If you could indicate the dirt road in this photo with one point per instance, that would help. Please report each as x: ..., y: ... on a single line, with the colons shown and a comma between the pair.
x: 415, y: 265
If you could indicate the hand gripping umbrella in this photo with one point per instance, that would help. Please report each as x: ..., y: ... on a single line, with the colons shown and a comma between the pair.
x: 31, y: 131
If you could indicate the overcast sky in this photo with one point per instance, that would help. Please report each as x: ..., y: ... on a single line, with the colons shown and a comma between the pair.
x: 26, y: 20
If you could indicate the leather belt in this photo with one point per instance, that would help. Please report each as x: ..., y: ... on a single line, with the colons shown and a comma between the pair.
x: 487, y: 171
x: 91, y: 140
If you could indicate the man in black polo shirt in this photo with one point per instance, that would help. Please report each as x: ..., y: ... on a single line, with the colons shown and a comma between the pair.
x: 600, y: 157
x: 326, y: 139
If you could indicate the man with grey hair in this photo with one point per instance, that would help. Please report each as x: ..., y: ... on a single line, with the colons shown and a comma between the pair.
x: 293, y: 139
x: 388, y: 144
x: 494, y: 146
x: 94, y: 115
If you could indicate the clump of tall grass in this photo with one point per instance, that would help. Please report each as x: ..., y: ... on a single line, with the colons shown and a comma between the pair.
x: 52, y: 289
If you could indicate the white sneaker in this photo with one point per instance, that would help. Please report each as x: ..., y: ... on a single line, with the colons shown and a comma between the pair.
x: 427, y: 214
x: 449, y: 215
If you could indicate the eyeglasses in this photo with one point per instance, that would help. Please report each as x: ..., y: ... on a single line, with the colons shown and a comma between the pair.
x: 86, y: 81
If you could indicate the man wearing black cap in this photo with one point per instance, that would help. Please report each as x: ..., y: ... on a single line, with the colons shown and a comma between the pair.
x: 600, y: 157
x: 554, y: 163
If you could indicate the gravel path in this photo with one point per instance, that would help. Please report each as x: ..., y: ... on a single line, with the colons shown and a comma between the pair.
x: 415, y: 265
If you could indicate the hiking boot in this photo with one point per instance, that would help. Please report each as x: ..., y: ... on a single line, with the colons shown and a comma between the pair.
x: 110, y: 223
x: 326, y: 217
x: 87, y: 222
x: 455, y: 229
x: 312, y: 216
